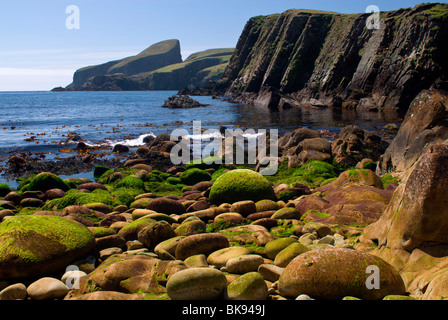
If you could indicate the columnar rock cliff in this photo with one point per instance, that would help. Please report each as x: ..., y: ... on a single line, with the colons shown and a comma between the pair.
x: 331, y: 59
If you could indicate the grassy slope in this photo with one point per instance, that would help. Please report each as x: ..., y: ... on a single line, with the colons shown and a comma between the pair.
x: 155, y: 49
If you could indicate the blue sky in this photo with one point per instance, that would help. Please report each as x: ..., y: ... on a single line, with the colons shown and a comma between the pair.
x: 38, y: 52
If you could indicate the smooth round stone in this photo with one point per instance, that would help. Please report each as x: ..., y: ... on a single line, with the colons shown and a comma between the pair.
x: 250, y: 286
x: 196, y: 261
x: 274, y: 247
x: 47, y: 289
x: 244, y: 264
x: 304, y: 297
x: 196, y: 284
x: 204, y: 243
x: 220, y: 257
x: 13, y: 292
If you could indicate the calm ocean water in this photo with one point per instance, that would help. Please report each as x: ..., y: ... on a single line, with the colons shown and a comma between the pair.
x: 38, y: 122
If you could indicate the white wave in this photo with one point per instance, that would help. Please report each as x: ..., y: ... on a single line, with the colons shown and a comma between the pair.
x: 137, y: 142
x: 218, y: 135
x: 132, y: 142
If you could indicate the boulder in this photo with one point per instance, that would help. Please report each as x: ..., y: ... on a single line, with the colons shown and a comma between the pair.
x: 13, y: 292
x: 130, y: 231
x: 248, y: 235
x: 47, y: 289
x: 337, y: 273
x: 417, y: 214
x: 250, y: 286
x: 200, y: 244
x: 167, y: 206
x: 153, y: 234
x: 220, y: 257
x: 275, y: 246
x: 284, y: 257
x: 244, y: 208
x: 128, y: 273
x: 240, y: 185
x: 244, y: 263
x: 35, y: 245
x: 182, y: 102
x: 196, y: 284
x: 46, y: 181
x: 423, y: 126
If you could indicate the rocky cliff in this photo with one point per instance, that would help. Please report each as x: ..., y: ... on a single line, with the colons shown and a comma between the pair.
x: 331, y: 59
x: 160, y: 67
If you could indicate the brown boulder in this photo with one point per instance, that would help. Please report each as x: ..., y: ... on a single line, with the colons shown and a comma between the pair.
x: 424, y: 125
x: 418, y: 212
x: 337, y: 273
x: 204, y: 243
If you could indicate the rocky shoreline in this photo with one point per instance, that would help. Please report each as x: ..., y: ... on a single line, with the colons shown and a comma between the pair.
x: 332, y: 224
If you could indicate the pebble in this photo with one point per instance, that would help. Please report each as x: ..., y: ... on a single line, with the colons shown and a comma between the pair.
x: 304, y: 297
x: 47, y: 289
x: 244, y: 263
x: 14, y: 292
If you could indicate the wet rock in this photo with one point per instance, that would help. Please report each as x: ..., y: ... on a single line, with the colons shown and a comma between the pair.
x: 336, y: 273
x: 250, y: 286
x: 196, y: 284
x: 200, y: 244
x: 47, y: 289
x: 181, y: 102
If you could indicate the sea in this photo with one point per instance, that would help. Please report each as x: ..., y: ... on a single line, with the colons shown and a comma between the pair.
x: 44, y: 123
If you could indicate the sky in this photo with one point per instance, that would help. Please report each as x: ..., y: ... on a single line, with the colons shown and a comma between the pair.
x: 38, y: 51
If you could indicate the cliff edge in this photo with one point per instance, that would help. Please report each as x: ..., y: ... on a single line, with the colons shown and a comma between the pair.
x: 307, y: 57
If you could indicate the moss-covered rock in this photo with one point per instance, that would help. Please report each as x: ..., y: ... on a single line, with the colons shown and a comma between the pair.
x: 35, y: 246
x: 284, y: 257
x: 130, y: 231
x: 4, y: 189
x: 287, y: 213
x: 196, y: 284
x: 337, y: 273
x: 250, y: 286
x: 131, y: 182
x: 266, y: 205
x: 46, y: 181
x: 275, y: 246
x: 239, y: 185
x: 193, y: 176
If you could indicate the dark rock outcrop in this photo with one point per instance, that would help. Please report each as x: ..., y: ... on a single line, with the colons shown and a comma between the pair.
x: 182, y: 102
x: 329, y: 59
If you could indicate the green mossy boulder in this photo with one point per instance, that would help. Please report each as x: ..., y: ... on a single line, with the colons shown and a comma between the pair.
x: 46, y: 181
x: 250, y: 286
x: 193, y: 176
x: 36, y: 246
x: 240, y: 185
x: 284, y: 257
x: 4, y: 189
x: 131, y: 182
x: 275, y: 246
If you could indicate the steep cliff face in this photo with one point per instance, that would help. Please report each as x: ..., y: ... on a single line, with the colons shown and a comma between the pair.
x: 324, y: 58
